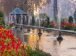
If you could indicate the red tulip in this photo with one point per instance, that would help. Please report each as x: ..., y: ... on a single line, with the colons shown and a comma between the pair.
x: 8, y: 41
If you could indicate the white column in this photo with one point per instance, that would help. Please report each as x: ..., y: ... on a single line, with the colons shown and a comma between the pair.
x: 21, y: 19
x: 9, y: 19
x: 14, y: 18
x: 29, y: 21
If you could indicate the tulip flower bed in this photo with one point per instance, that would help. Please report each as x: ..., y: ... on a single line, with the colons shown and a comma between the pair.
x: 12, y: 46
x: 53, y: 24
x: 68, y: 26
x: 9, y: 44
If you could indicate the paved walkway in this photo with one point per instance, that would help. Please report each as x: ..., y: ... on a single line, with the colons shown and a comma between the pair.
x: 49, y: 44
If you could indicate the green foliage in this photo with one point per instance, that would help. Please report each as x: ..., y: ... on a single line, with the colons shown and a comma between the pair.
x: 37, y: 52
x: 68, y: 28
x: 70, y: 19
x: 74, y: 29
x: 2, y: 21
x: 1, y: 14
x: 43, y: 15
x: 9, y: 27
x: 46, y: 22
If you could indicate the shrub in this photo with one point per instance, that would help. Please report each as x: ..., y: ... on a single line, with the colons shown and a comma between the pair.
x: 1, y: 14
x: 2, y: 21
x: 36, y: 52
x: 70, y: 19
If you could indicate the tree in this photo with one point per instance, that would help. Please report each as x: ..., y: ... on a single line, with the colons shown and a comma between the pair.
x: 70, y: 19
x: 1, y: 14
x: 48, y: 20
x: 1, y: 19
x: 43, y: 15
x: 36, y: 4
x: 33, y: 20
x: 27, y: 5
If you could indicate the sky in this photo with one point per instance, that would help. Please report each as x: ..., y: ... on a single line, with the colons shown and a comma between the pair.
x: 65, y: 7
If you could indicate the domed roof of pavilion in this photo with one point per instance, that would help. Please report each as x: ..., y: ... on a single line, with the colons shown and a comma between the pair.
x: 17, y: 11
